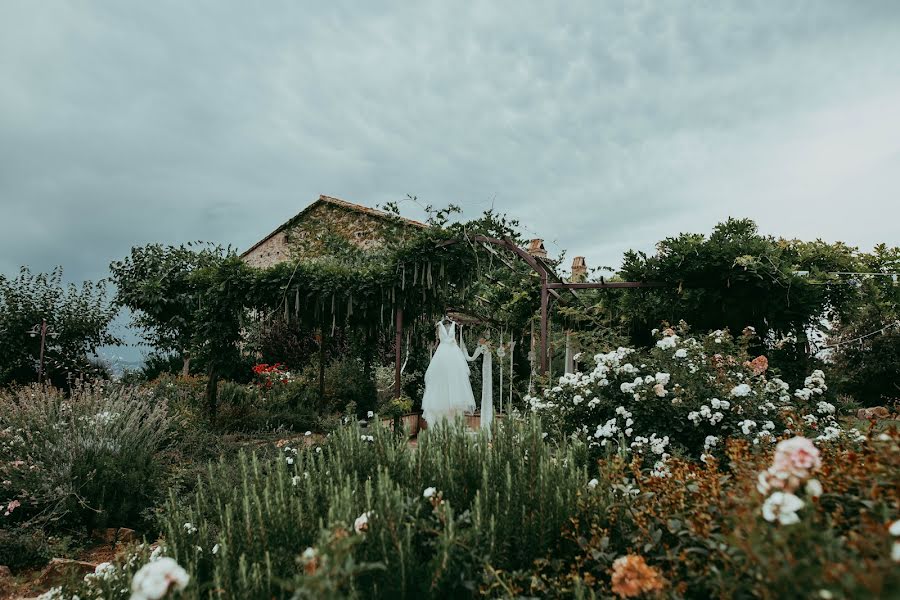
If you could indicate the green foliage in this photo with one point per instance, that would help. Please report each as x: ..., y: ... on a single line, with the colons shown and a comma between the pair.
x: 155, y: 282
x: 187, y: 301
x: 867, y: 360
x: 23, y: 547
x: 88, y: 460
x: 346, y: 381
x: 734, y: 278
x: 77, y: 318
x: 394, y: 407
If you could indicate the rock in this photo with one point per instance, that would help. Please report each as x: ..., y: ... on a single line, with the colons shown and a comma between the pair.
x: 126, y: 535
x: 876, y: 412
x: 61, y: 569
x: 109, y: 535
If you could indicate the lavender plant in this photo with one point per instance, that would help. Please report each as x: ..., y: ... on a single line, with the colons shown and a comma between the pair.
x: 87, y: 459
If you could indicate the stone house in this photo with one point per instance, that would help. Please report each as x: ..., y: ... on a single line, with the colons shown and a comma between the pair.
x: 309, y: 234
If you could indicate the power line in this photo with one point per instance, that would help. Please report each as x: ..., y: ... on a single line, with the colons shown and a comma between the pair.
x: 862, y: 337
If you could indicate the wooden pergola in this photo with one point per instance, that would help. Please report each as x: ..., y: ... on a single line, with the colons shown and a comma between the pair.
x: 551, y: 284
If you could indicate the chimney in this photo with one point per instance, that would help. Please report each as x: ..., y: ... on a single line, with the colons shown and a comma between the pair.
x: 536, y: 248
x: 579, y: 270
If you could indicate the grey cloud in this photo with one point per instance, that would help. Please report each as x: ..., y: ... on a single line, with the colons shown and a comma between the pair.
x: 604, y: 126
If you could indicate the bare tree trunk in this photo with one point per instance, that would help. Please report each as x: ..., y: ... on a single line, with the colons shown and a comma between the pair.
x: 186, y: 367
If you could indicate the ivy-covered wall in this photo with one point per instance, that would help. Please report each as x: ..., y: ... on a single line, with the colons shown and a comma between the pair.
x: 309, y: 234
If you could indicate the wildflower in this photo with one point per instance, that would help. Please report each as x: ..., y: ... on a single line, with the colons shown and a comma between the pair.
x: 681, y: 353
x: 295, y: 480
x: 215, y: 549
x: 593, y: 483
x: 289, y: 460
x: 370, y: 414
x: 663, y: 378
x: 154, y: 580
x: 362, y: 522
x: 429, y: 492
x: 308, y: 433
x: 190, y: 528
x: 660, y: 390
x: 632, y: 577
x: 782, y: 507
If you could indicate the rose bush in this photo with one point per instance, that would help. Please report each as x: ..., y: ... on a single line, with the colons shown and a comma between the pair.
x: 685, y: 396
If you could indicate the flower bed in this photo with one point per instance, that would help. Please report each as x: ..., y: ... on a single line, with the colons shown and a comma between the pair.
x: 363, y: 515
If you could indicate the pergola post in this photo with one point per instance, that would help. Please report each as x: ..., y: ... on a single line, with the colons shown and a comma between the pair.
x: 545, y: 302
x: 322, y: 364
x: 398, y: 348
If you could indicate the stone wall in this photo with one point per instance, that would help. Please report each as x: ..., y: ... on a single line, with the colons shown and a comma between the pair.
x: 271, y: 252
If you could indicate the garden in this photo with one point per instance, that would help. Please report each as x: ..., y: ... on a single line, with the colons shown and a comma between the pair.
x: 729, y: 432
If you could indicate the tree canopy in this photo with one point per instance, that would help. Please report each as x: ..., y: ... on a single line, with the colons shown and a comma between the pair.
x: 78, y: 319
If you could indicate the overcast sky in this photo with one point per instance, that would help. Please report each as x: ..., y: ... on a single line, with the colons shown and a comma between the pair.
x: 602, y: 125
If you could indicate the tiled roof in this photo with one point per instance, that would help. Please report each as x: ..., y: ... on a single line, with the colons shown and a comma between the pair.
x: 323, y: 199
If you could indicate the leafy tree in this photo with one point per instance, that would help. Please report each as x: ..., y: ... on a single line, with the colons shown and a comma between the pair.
x: 737, y: 277
x: 155, y: 283
x: 222, y: 291
x: 188, y: 301
x: 867, y: 356
x: 78, y: 319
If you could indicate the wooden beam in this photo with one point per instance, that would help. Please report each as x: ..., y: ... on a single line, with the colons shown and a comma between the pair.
x: 322, y: 365
x: 610, y: 285
x: 398, y: 348
x: 545, y: 302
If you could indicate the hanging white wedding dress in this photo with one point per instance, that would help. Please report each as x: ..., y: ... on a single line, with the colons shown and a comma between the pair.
x: 448, y: 391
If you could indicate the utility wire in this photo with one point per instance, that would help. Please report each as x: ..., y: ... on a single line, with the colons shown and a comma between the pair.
x: 862, y: 337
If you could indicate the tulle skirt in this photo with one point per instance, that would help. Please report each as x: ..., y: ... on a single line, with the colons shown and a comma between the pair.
x: 448, y: 391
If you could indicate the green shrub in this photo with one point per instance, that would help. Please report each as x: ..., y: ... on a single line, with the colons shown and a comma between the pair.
x: 23, y: 548
x: 345, y: 382
x: 91, y: 459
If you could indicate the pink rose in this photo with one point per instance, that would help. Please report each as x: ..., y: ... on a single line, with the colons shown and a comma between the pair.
x: 13, y: 505
x: 797, y: 456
